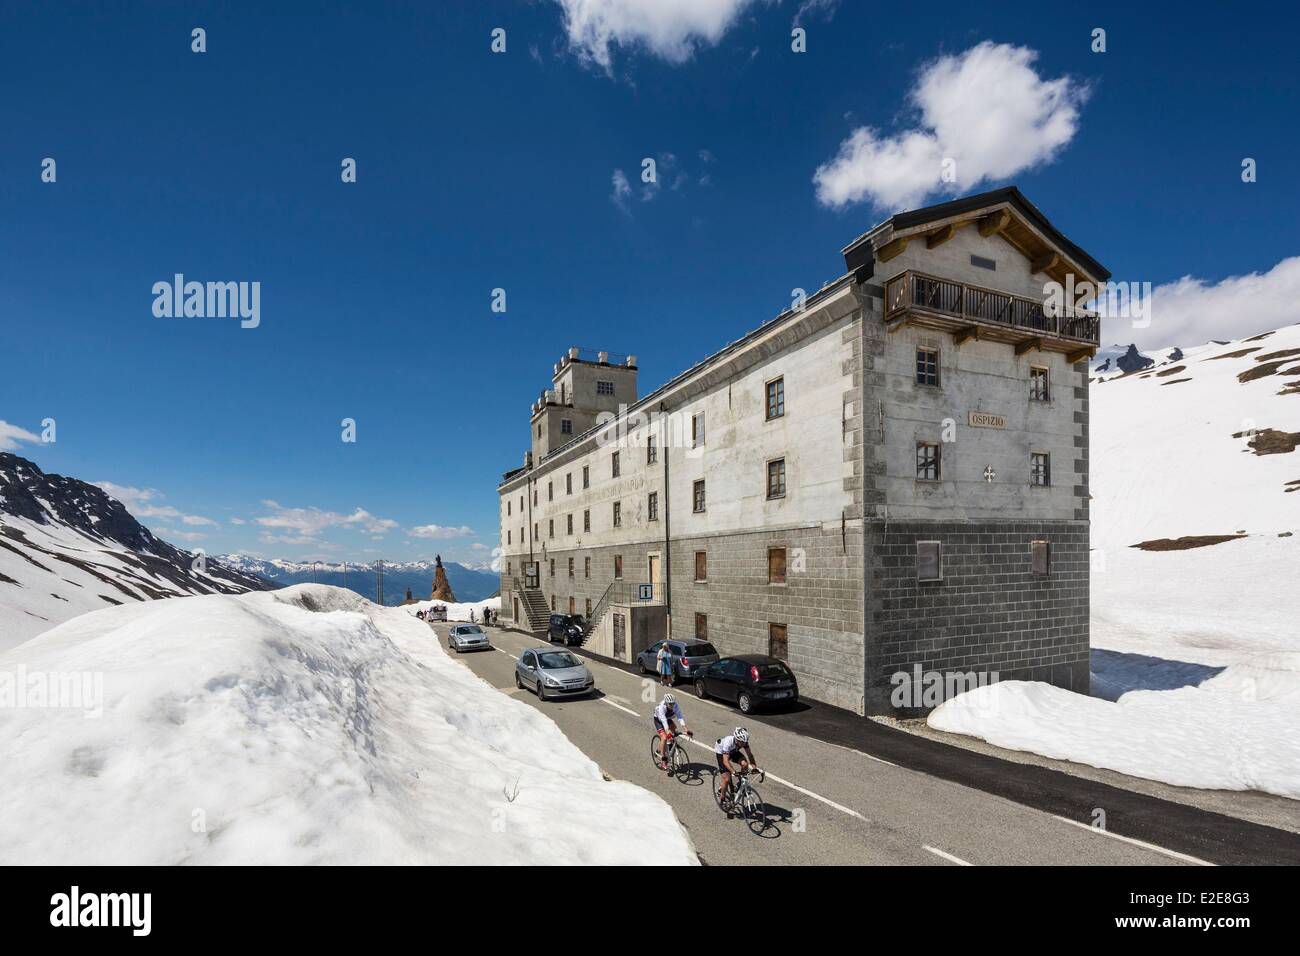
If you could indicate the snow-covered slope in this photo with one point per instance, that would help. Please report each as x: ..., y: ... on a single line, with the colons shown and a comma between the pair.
x: 1196, y: 645
x: 304, y: 725
x: 66, y: 547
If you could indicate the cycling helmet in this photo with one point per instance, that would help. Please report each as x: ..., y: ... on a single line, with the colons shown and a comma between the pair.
x: 670, y: 699
x: 741, y: 735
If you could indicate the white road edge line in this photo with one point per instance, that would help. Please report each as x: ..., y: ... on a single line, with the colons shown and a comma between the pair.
x: 947, y: 856
x: 621, y: 707
x: 1195, y: 861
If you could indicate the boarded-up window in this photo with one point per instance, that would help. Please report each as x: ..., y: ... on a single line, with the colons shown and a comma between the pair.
x: 618, y: 565
x: 929, y: 561
x: 778, y: 645
x: 776, y: 565
x: 701, y: 627
x: 1041, y: 558
x: 701, y: 565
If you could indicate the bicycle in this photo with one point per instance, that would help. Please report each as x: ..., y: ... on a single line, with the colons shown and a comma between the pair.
x: 744, y: 799
x: 674, y: 755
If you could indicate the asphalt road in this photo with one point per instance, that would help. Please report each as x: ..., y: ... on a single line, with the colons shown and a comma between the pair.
x: 827, y: 804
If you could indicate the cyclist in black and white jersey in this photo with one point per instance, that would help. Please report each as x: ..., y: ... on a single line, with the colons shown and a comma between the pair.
x: 734, y: 756
x: 667, y: 717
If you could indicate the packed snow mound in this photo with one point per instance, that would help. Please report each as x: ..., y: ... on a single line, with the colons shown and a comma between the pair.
x: 1234, y: 731
x: 303, y: 726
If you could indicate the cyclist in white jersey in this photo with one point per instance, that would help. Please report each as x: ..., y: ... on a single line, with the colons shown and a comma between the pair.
x: 734, y: 756
x: 667, y: 716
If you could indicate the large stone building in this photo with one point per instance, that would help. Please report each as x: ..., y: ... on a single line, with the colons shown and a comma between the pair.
x: 890, y: 479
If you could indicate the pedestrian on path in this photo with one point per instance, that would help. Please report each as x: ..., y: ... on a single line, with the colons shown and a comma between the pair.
x: 664, y: 659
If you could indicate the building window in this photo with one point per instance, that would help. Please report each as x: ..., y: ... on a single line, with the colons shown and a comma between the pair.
x: 776, y: 398
x: 1040, y: 553
x: 1038, y: 383
x: 521, y: 504
x: 568, y: 483
x: 571, y: 605
x: 521, y: 534
x: 982, y: 263
x: 1040, y: 468
x: 697, y: 430
x: 552, y: 567
x: 778, y: 645
x: 539, y: 429
x: 568, y: 519
x: 552, y: 603
x: 613, y: 470
x: 776, y: 565
x: 929, y: 561
x: 698, y: 497
x: 586, y: 476
x: 534, y: 497
x: 570, y: 567
x: 651, y: 451
x: 652, y: 506
x: 776, y: 478
x: 508, y: 504
x: 588, y: 614
x: 701, y: 626
x: 586, y: 520
x: 566, y: 426
x: 550, y: 491
x: 586, y: 567
x: 618, y: 566
x: 927, y: 366
x: 604, y: 388
x: 701, y: 565
x: 550, y: 527
x: 510, y: 568
x: 508, y: 534
x: 618, y: 514
x: 536, y: 532
x: 927, y: 461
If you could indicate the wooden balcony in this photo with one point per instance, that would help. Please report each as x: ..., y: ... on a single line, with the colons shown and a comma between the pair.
x: 968, y: 311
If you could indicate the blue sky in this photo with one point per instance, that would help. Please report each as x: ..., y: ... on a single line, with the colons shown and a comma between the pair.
x: 479, y: 171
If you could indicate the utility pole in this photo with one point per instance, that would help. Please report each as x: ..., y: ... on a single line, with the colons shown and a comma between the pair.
x: 379, y: 585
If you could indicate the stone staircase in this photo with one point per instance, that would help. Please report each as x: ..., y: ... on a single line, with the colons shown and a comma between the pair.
x: 537, y: 615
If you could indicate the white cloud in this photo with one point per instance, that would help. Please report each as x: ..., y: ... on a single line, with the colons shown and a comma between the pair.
x: 1191, y: 311
x: 669, y: 29
x: 308, y: 523
x: 825, y: 9
x: 11, y: 435
x: 440, y: 531
x: 987, y: 109
x: 622, y: 190
x: 141, y: 502
x: 180, y: 535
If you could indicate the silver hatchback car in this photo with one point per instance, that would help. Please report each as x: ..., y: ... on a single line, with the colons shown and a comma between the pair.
x: 467, y: 637
x: 552, y: 673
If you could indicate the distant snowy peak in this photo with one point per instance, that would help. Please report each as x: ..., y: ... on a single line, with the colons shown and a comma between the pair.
x: 67, y: 547
x: 275, y: 568
x: 27, y: 492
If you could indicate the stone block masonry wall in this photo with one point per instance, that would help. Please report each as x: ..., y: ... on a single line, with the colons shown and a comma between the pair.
x: 988, y: 614
x: 820, y: 603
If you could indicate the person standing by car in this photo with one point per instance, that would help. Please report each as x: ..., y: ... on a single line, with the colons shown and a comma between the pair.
x: 734, y: 756
x: 667, y: 716
x: 664, y: 661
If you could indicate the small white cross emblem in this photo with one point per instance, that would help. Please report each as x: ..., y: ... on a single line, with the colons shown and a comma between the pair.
x: 989, y: 473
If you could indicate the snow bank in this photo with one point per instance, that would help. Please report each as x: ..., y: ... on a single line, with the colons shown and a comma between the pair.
x: 455, y: 611
x: 1236, y: 730
x: 297, y: 726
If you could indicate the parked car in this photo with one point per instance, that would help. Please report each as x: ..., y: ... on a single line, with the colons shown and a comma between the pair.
x: 467, y: 637
x: 566, y: 628
x: 748, y: 681
x: 552, y: 673
x: 690, y: 656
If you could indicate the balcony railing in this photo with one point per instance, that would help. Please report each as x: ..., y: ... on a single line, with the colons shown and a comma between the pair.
x: 909, y: 291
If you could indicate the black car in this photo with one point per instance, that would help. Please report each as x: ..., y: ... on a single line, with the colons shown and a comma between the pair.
x: 566, y: 628
x: 748, y: 681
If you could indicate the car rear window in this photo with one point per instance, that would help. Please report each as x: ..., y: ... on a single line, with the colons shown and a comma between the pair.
x: 773, y: 670
x: 700, y: 650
